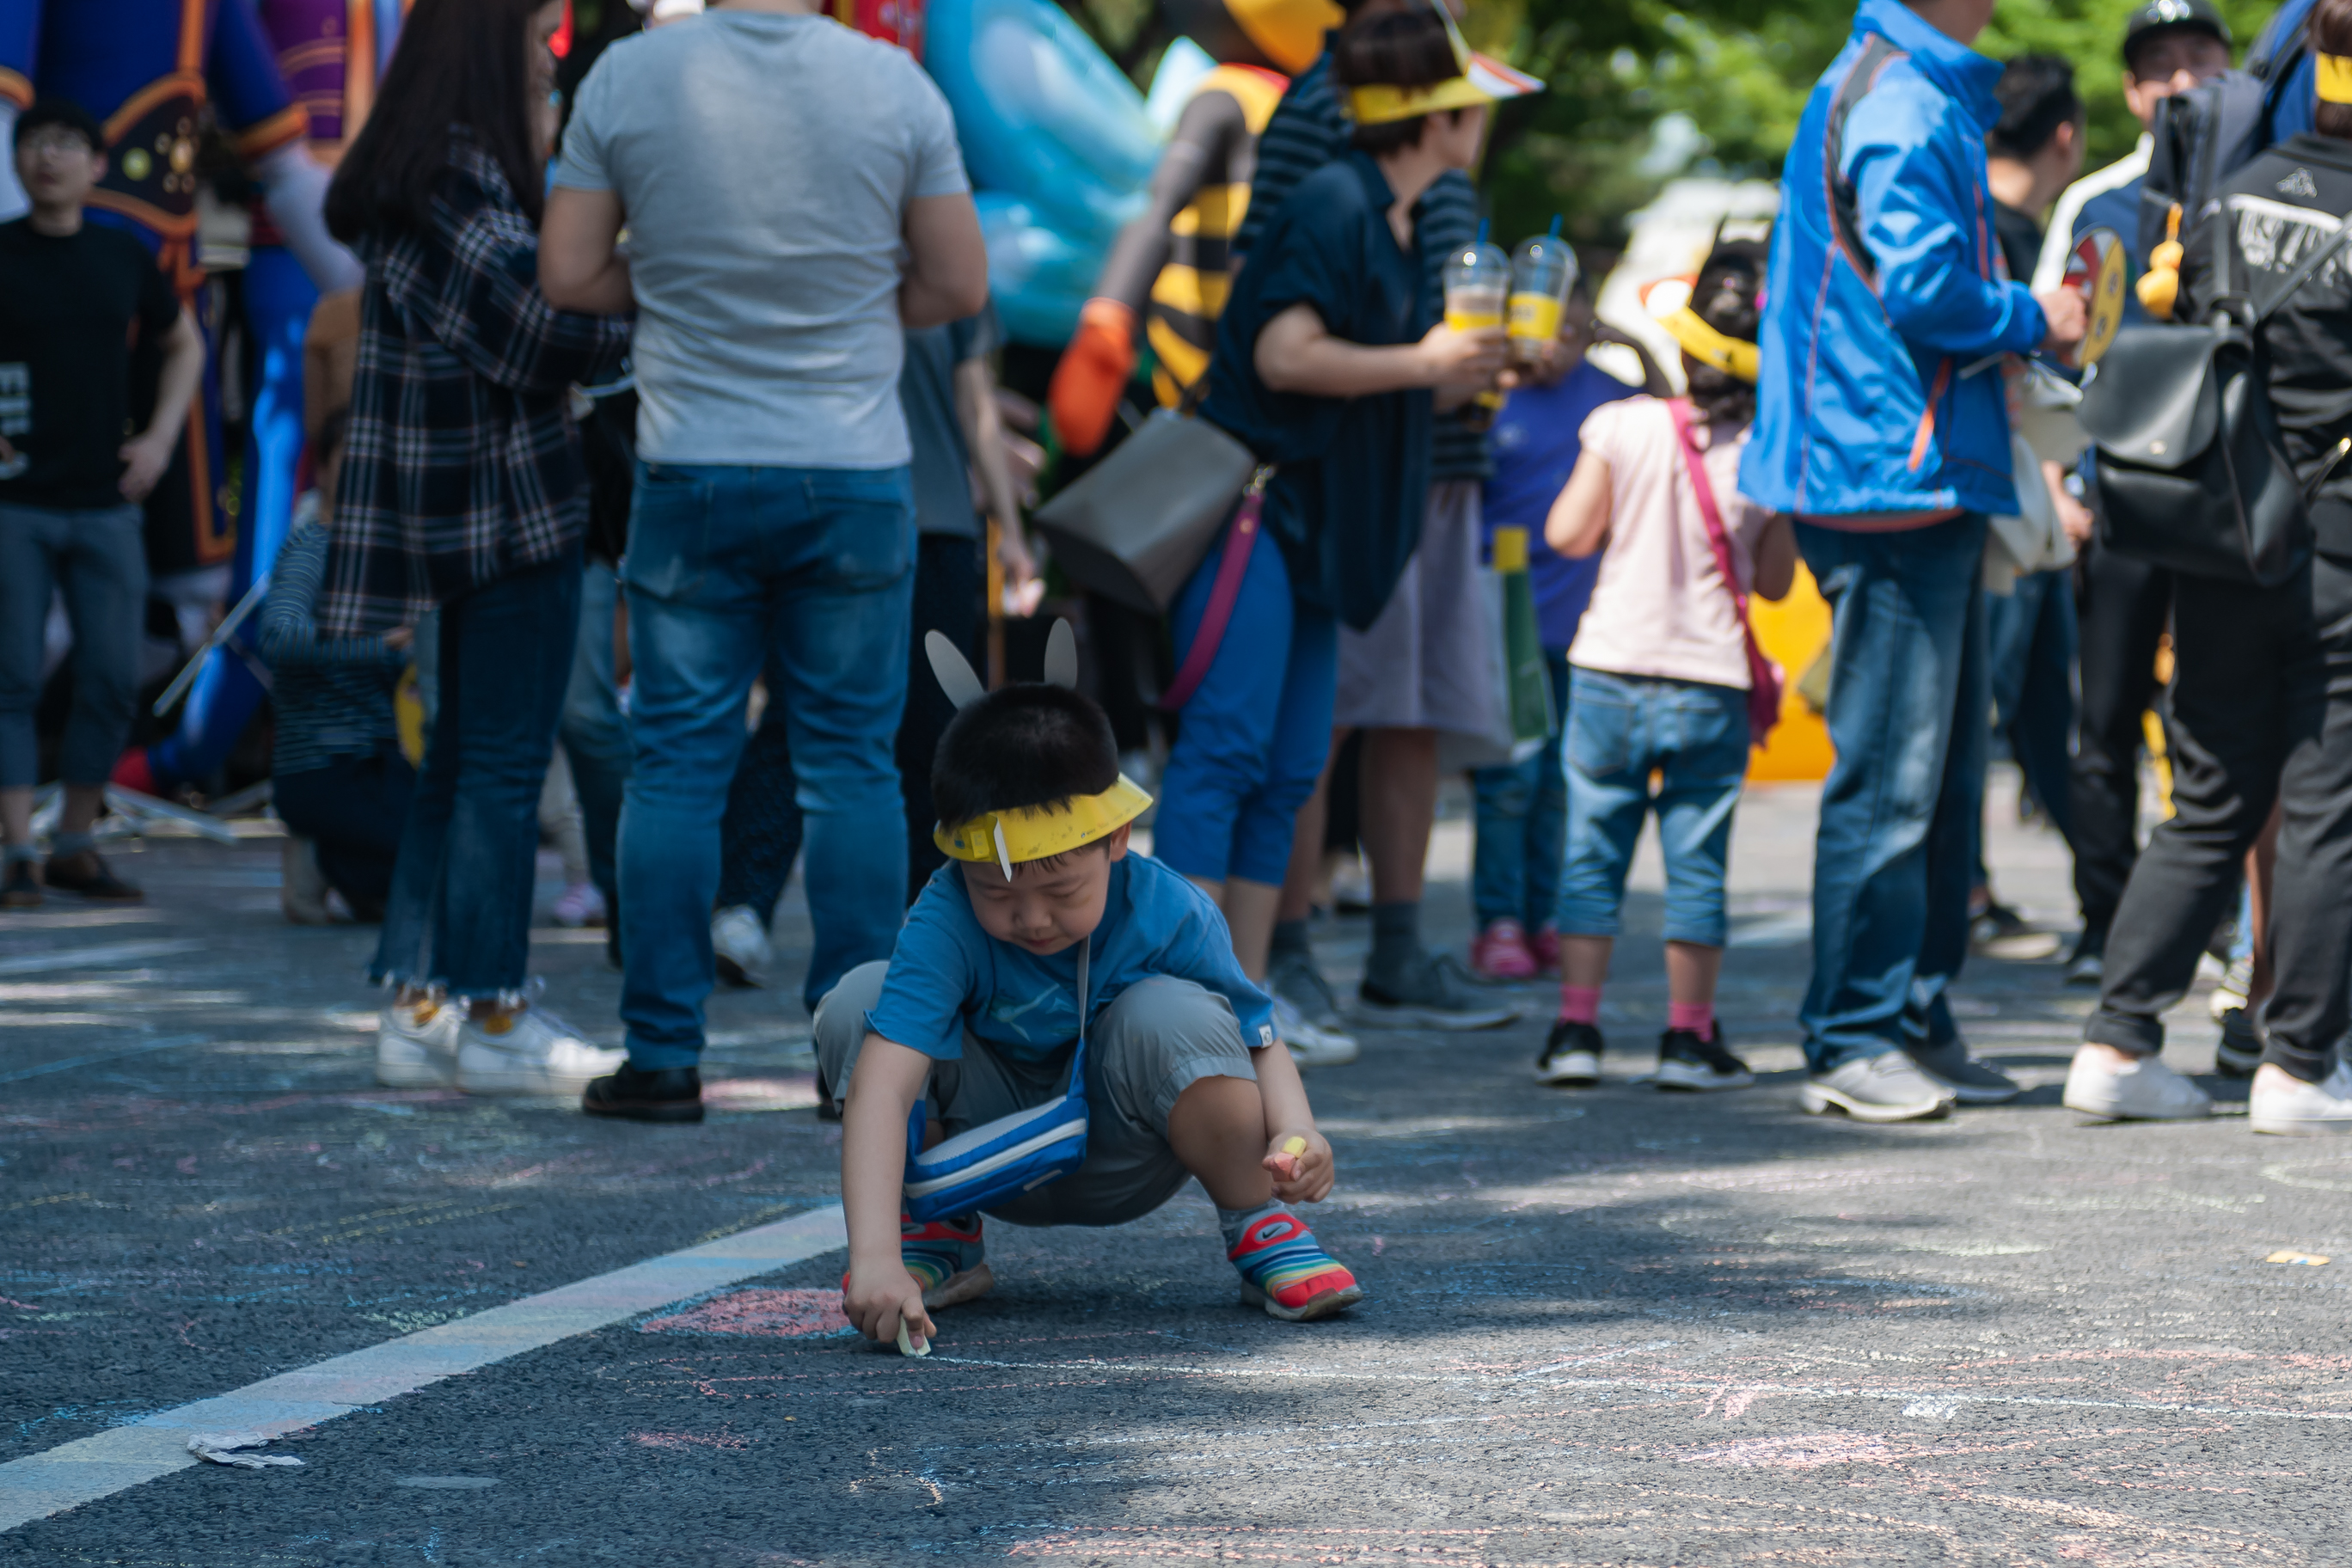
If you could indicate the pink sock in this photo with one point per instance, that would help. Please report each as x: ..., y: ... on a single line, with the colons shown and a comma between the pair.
x: 1580, y: 1004
x: 1698, y: 1017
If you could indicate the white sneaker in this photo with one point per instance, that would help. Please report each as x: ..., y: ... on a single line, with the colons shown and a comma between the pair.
x: 1889, y: 1087
x: 301, y: 885
x: 2303, y: 1109
x: 2146, y: 1090
x: 416, y: 1044
x: 1311, y: 1047
x: 580, y: 904
x: 530, y: 1052
x: 739, y: 943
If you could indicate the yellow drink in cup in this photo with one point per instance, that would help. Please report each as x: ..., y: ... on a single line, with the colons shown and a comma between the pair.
x: 1542, y: 272
x: 1477, y: 285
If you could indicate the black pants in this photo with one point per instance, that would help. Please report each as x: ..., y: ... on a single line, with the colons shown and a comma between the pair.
x: 353, y: 808
x: 2261, y: 710
x: 762, y: 831
x: 2121, y: 604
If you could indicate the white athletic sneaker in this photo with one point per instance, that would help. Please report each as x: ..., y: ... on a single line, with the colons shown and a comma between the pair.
x: 1310, y: 1045
x: 2306, y: 1110
x: 416, y: 1044
x: 740, y: 944
x: 1889, y: 1087
x: 2146, y: 1090
x: 301, y: 885
x: 530, y: 1052
x: 580, y: 904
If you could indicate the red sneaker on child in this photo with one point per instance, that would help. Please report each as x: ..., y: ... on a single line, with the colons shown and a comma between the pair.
x: 1543, y: 946
x: 1500, y: 953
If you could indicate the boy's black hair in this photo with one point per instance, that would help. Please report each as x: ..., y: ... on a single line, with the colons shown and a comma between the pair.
x: 51, y: 110
x: 2037, y: 96
x: 1397, y: 49
x: 1729, y: 283
x: 1026, y: 745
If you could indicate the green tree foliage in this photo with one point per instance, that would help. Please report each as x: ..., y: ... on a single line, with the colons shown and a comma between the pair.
x: 1642, y: 90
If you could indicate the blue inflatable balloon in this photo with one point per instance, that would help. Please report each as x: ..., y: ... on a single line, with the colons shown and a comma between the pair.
x: 1039, y: 276
x: 1043, y: 113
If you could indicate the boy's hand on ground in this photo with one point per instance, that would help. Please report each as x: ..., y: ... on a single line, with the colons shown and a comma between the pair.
x: 1304, y: 1177
x: 144, y: 460
x: 877, y: 1299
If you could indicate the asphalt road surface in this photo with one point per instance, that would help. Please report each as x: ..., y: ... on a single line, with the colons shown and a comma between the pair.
x: 1610, y: 1326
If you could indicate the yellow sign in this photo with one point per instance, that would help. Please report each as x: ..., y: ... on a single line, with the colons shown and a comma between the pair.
x: 2096, y: 268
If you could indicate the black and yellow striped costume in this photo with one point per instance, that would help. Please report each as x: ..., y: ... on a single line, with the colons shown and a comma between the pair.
x: 1181, y: 318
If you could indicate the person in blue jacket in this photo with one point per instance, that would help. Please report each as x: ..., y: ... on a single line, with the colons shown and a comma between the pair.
x: 1882, y: 427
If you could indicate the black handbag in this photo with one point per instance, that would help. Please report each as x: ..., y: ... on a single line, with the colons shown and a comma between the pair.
x: 2192, y: 475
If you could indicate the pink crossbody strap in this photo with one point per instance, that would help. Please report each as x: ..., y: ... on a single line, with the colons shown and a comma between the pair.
x: 1763, y: 675
x: 1233, y: 566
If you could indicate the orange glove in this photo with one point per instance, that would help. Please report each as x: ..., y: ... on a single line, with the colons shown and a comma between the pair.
x: 1094, y: 371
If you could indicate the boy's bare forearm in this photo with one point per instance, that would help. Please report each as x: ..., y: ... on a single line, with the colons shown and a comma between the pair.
x: 1284, y: 1098
x: 874, y: 1145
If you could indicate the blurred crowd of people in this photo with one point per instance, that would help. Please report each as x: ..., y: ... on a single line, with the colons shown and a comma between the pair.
x: 658, y: 460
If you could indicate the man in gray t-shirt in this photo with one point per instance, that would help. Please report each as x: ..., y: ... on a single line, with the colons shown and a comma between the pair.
x: 795, y: 200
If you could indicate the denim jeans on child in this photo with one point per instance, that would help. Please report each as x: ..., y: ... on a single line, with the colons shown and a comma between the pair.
x: 1253, y: 738
x: 353, y: 810
x: 1909, y: 694
x: 1620, y: 730
x: 460, y: 905
x: 805, y: 572
x: 99, y: 558
x: 1522, y: 824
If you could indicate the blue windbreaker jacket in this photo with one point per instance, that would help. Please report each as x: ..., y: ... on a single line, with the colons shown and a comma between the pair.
x: 1877, y: 398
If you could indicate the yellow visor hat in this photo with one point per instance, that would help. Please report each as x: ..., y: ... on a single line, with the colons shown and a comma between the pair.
x: 1009, y: 839
x: 1029, y: 832
x: 1668, y: 303
x: 1287, y: 32
x: 2335, y: 79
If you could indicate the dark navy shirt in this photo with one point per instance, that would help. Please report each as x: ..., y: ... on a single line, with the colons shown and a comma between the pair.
x: 1346, y: 504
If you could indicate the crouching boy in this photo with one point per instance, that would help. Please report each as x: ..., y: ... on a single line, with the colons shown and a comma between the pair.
x: 978, y: 1009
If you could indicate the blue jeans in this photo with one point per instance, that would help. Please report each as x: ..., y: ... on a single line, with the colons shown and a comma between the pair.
x: 353, y: 810
x: 461, y: 906
x: 1256, y: 733
x: 1908, y: 696
x: 595, y: 732
x: 807, y: 573
x: 2030, y: 653
x: 1522, y: 822
x: 99, y: 558
x: 1620, y: 730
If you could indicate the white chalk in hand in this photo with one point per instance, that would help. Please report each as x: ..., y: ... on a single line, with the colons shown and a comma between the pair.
x: 908, y: 1344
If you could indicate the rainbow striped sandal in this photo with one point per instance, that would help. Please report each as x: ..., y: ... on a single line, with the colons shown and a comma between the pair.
x: 1285, y: 1270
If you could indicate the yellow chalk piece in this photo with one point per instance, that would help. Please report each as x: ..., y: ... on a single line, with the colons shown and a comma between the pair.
x: 2311, y: 1258
x: 908, y: 1344
x: 1293, y: 1146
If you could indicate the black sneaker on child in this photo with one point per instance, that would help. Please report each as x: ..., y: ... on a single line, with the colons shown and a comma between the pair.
x: 2087, y: 965
x: 1689, y: 1063
x: 1571, y: 1056
x: 2240, y: 1050
x: 20, y: 889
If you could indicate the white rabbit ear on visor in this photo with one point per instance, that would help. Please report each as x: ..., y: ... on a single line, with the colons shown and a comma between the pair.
x: 1062, y: 657
x: 953, y: 670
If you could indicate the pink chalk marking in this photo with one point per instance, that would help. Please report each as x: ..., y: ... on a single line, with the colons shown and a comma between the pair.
x: 769, y: 1314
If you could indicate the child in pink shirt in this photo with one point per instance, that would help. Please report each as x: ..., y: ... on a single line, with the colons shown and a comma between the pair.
x: 1662, y: 671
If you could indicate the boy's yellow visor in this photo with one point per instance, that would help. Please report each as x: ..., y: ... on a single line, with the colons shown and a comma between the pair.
x: 1035, y: 832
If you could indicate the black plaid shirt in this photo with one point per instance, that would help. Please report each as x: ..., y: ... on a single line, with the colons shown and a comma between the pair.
x: 462, y: 463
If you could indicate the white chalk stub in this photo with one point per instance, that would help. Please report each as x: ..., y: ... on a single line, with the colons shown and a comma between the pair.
x: 908, y: 1344
x: 222, y: 1448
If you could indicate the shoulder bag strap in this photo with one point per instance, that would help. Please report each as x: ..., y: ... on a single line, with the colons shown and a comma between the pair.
x: 1078, y: 1058
x: 1845, y: 202
x: 1233, y: 566
x: 1695, y: 464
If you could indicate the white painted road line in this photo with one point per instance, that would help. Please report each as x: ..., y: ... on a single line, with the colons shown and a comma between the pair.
x: 97, y: 956
x: 89, y: 1469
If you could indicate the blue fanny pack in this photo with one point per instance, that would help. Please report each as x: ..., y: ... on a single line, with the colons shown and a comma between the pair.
x: 998, y: 1161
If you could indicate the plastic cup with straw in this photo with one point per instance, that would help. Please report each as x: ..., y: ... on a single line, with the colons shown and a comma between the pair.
x: 1543, y: 271
x: 1477, y: 285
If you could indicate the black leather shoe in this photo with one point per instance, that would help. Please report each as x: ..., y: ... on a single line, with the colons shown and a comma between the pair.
x: 87, y: 874
x: 667, y: 1094
x: 20, y: 889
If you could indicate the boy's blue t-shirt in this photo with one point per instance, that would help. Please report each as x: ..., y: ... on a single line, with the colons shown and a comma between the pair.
x: 1535, y: 445
x: 949, y: 975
